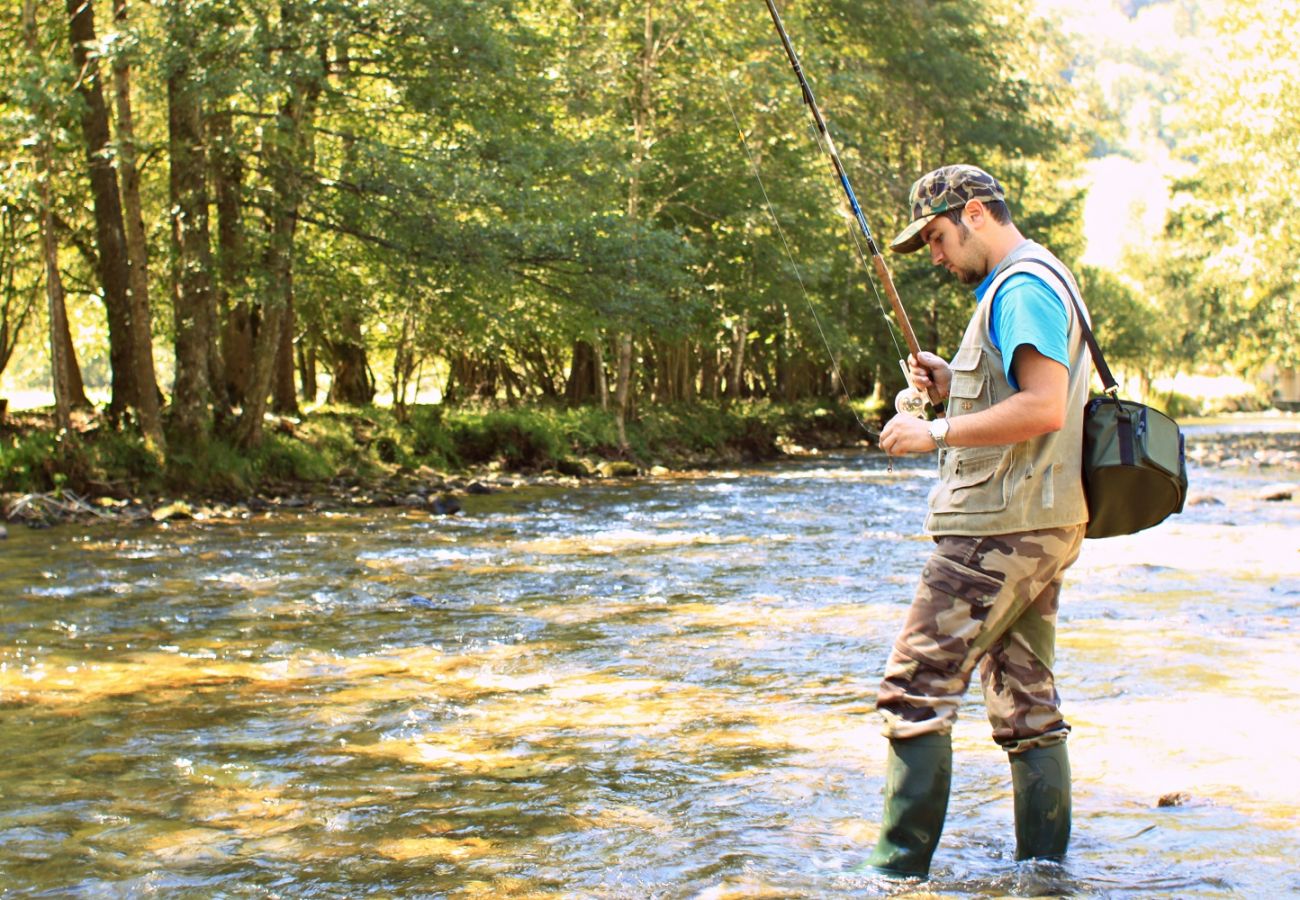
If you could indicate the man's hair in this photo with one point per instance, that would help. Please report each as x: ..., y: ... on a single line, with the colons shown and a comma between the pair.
x: 997, y: 209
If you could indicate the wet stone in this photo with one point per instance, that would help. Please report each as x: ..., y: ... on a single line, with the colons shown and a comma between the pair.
x: 574, y: 468
x: 178, y: 510
x: 445, y: 505
x: 618, y: 469
x: 1276, y: 493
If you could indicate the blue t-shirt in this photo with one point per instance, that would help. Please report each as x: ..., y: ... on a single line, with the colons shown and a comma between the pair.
x: 1026, y: 311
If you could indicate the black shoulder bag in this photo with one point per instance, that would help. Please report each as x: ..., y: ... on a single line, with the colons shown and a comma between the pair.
x: 1134, y: 465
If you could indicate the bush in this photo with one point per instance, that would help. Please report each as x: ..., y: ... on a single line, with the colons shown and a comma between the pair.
x: 24, y: 462
x: 429, y: 437
x: 215, y: 468
x: 518, y: 440
x: 286, y: 459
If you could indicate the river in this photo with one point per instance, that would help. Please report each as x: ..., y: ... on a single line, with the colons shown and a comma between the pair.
x: 650, y: 688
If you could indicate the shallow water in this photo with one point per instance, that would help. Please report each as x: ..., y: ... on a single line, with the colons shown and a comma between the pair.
x: 648, y: 689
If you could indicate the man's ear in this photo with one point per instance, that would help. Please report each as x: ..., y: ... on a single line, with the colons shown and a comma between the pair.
x: 975, y: 213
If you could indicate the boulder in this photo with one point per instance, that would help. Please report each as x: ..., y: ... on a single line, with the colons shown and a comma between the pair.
x: 178, y: 510
x: 618, y: 468
x: 1276, y: 493
x: 444, y: 505
x: 574, y: 468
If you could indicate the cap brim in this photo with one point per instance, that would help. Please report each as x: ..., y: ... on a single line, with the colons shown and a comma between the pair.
x: 909, y: 239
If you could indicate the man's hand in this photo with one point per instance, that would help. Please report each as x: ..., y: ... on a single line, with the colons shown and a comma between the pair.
x: 929, y: 371
x: 906, y: 434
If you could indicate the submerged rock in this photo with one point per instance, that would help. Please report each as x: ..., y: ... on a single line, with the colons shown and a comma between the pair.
x: 445, y: 505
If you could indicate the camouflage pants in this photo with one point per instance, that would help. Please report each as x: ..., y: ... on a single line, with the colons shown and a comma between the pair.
x: 988, y: 600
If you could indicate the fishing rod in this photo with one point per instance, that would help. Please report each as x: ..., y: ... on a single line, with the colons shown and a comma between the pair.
x: 910, y: 400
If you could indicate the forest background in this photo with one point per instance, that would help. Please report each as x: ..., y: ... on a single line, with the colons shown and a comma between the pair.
x: 252, y: 238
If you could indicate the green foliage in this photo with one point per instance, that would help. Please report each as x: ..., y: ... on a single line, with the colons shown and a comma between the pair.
x: 1227, y: 267
x: 25, y: 462
x: 483, y: 186
x: 213, y: 468
x: 286, y: 459
x: 1126, y: 324
x: 431, y: 442
x: 515, y: 438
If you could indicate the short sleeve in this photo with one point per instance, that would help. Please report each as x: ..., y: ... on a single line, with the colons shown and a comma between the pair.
x: 1027, y: 311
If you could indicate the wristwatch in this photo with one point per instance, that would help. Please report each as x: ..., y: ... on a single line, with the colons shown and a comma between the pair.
x: 939, y: 433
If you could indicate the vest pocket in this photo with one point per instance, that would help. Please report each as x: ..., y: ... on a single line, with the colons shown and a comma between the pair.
x: 967, y: 392
x: 973, y: 480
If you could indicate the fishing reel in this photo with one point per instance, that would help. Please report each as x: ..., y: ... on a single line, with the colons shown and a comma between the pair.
x: 910, y: 401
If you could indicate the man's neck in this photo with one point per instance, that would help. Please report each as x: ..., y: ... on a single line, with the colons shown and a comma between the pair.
x: 1001, y: 243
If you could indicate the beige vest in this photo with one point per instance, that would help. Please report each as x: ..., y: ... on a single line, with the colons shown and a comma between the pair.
x: 1009, y: 488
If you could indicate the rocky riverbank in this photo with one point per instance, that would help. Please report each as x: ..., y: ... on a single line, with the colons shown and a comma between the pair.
x: 423, y: 490
x: 1270, y: 445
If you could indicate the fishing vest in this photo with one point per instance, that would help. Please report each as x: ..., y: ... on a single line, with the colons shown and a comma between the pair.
x: 1009, y: 488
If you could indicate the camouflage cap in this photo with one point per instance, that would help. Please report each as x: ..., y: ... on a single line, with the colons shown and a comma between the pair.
x: 950, y: 187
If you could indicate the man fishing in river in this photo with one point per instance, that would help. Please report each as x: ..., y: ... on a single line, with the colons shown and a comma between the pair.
x: 1007, y: 518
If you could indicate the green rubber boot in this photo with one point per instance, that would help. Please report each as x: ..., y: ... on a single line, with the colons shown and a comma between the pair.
x: 1040, y: 778
x: 917, y: 778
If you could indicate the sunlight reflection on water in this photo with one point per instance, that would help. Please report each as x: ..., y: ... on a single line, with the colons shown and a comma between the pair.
x: 645, y: 689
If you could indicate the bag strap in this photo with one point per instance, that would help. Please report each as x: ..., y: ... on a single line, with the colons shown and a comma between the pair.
x: 1107, y: 379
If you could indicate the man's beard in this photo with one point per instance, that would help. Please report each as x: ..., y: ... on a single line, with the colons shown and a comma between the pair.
x: 966, y: 275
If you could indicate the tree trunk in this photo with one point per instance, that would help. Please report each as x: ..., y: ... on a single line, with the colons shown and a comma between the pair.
x: 137, y: 251
x: 602, y: 379
x: 352, y: 380
x: 307, y: 369
x: 739, y: 338
x: 50, y: 255
x: 710, y: 372
x: 642, y: 134
x: 192, y: 296
x: 623, y: 388
x: 284, y: 395
x: 114, y: 275
x: 286, y: 147
x: 58, y: 321
x: 238, y: 321
x: 404, y: 366
x: 581, y: 384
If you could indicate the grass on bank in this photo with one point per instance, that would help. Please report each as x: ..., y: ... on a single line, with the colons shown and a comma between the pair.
x: 370, y: 443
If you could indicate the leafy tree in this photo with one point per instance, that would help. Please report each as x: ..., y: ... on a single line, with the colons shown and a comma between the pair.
x: 1229, y: 281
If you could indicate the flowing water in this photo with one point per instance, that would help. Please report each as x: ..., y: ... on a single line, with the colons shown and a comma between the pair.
x: 658, y: 688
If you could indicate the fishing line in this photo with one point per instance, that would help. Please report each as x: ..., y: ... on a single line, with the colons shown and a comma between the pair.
x: 873, y: 433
